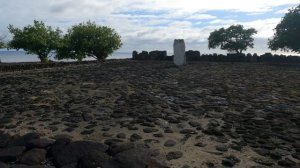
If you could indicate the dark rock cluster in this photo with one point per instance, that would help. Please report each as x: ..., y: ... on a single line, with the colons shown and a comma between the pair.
x: 152, y: 55
x: 267, y: 58
x: 192, y: 55
x: 196, y: 56
x: 31, y: 151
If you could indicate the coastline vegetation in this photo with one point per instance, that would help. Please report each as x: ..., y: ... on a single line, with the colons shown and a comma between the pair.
x: 36, y: 39
x: 91, y: 40
x: 88, y: 40
x: 81, y: 41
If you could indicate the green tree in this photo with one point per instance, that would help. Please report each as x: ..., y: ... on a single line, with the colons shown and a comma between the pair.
x: 35, y: 39
x: 233, y: 39
x: 287, y: 32
x: 2, y: 43
x: 89, y: 40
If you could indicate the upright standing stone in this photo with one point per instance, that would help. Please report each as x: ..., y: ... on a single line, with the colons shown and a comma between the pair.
x: 179, y: 52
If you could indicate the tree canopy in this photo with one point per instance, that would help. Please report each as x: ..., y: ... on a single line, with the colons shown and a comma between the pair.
x: 35, y: 39
x: 233, y: 39
x: 89, y: 40
x: 287, y: 32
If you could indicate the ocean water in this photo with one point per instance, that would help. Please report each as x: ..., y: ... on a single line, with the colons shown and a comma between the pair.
x: 10, y: 56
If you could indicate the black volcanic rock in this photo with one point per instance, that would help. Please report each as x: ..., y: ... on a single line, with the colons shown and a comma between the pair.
x: 120, y: 147
x: 195, y: 124
x: 174, y: 155
x: 23, y: 140
x: 188, y: 131
x: 3, y: 165
x: 286, y: 163
x: 75, y: 150
x: 87, y: 117
x: 150, y: 130
x: 137, y: 158
x: 93, y: 159
x: 58, y: 145
x: 169, y: 143
x: 11, y: 154
x: 34, y: 157
x: 39, y: 143
x: 135, y: 137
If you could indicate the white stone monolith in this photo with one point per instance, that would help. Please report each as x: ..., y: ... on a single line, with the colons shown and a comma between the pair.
x: 179, y: 52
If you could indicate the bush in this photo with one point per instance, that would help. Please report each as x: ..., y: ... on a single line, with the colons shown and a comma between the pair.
x: 88, y: 40
x: 35, y: 39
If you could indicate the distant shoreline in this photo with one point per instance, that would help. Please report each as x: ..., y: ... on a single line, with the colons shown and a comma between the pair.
x: 14, y: 56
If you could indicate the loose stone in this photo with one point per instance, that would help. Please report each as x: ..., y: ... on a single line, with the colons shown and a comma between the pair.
x: 169, y: 143
x: 174, y: 155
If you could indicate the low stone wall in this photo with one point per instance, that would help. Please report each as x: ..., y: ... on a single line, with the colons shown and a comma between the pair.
x: 192, y: 55
x: 9, y: 67
x: 196, y: 56
x: 152, y: 55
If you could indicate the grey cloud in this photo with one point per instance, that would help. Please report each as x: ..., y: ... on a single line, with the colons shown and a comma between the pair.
x: 60, y: 7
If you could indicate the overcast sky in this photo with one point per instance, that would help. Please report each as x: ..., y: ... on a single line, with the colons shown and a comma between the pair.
x: 153, y: 24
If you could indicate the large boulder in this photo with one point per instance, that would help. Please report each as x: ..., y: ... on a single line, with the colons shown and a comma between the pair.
x: 72, y: 152
x: 58, y: 146
x: 118, y: 148
x: 23, y: 140
x: 11, y: 154
x: 94, y: 159
x: 39, y: 143
x: 34, y: 157
x: 137, y: 158
x: 3, y: 165
x: 4, y: 139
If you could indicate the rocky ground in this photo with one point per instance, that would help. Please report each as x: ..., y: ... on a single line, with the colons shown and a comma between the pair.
x: 199, y: 115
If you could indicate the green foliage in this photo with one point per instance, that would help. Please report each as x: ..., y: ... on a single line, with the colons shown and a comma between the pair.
x: 2, y: 44
x: 35, y: 39
x: 287, y: 32
x: 89, y: 40
x: 233, y: 39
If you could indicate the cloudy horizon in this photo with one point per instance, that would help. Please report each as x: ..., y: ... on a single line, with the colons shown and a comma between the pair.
x: 153, y: 24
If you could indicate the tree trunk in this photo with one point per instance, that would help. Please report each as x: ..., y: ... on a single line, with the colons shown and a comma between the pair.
x: 101, y: 58
x: 238, y: 51
x: 43, y: 58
